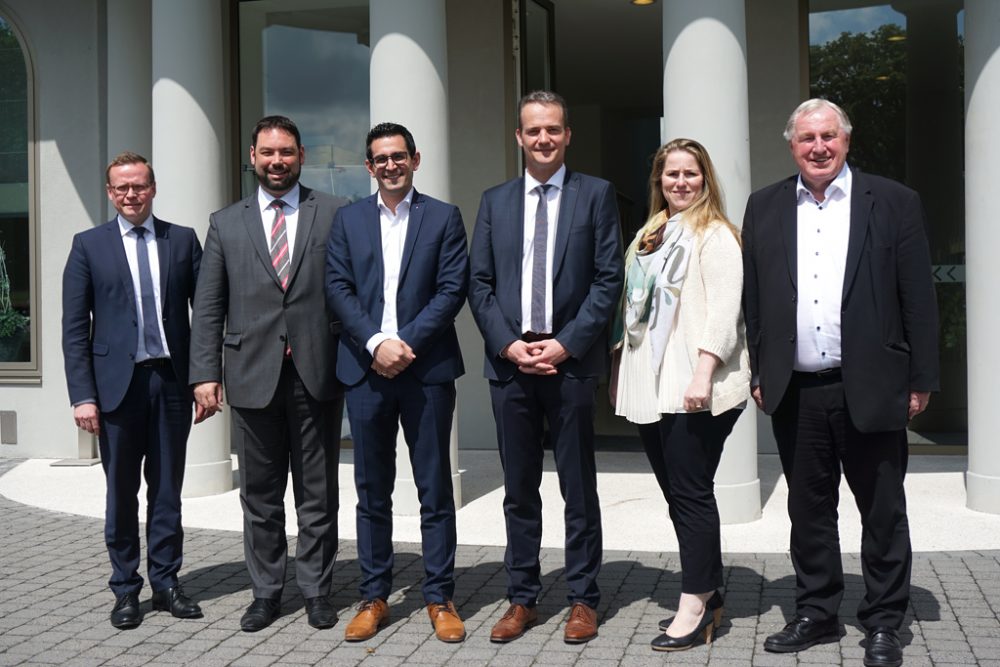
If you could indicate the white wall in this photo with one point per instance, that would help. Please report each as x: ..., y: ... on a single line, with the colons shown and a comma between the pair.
x: 65, y: 49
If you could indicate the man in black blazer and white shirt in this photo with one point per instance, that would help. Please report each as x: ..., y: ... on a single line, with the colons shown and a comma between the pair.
x: 842, y: 325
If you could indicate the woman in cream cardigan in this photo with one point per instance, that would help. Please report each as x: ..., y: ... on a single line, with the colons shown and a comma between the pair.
x: 680, y: 368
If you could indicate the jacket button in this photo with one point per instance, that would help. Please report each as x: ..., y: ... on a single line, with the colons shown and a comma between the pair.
x: 791, y: 339
x: 794, y: 299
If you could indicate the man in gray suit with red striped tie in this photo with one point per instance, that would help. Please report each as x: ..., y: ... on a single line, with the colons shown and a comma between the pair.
x: 260, y: 308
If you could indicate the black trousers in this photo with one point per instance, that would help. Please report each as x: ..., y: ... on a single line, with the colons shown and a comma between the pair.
x: 816, y: 438
x: 520, y: 406
x: 684, y: 451
x: 294, y: 431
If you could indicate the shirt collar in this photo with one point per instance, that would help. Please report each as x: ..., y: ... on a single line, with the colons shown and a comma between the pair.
x: 124, y: 226
x: 839, y: 188
x: 407, y: 200
x: 558, y: 178
x: 291, y: 198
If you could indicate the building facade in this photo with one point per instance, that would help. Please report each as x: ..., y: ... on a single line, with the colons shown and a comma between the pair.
x: 183, y: 81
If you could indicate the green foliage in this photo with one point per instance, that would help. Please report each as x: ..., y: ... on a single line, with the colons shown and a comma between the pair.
x: 11, y: 319
x: 865, y: 73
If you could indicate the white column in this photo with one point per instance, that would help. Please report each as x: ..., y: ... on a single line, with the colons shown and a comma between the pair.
x: 409, y: 86
x: 982, y: 238
x: 129, y: 71
x: 705, y: 99
x: 189, y: 121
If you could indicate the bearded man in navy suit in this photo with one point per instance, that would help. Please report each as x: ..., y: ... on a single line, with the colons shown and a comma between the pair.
x: 397, y: 272
x: 127, y: 288
x: 547, y: 273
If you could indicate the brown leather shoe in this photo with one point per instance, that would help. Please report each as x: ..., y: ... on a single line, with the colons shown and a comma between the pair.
x: 372, y: 615
x: 514, y: 622
x: 582, y: 624
x: 447, y: 625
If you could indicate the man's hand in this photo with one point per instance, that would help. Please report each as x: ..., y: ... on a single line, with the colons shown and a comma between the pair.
x: 758, y: 397
x: 392, y: 357
x: 208, y: 400
x: 88, y: 417
x: 918, y: 402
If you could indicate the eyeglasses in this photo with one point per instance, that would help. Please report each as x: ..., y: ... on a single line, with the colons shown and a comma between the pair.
x: 138, y: 188
x: 383, y: 160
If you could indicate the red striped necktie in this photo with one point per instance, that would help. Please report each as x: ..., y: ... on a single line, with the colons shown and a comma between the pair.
x: 279, y: 244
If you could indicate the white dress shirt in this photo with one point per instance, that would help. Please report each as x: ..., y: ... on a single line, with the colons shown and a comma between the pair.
x: 823, y: 230
x: 291, y: 208
x: 129, y: 240
x: 393, y: 226
x: 553, y: 199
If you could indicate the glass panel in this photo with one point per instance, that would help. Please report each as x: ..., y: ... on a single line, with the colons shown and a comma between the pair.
x: 898, y: 71
x: 15, y: 242
x: 309, y: 61
x: 538, y: 53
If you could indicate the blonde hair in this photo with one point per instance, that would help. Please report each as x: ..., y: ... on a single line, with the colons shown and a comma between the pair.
x: 707, y: 208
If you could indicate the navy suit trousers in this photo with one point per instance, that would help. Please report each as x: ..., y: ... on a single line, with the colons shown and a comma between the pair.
x: 146, y: 435
x: 376, y: 407
x: 521, y: 406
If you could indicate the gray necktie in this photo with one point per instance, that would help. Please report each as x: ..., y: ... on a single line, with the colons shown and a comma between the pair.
x: 150, y: 328
x: 540, y: 244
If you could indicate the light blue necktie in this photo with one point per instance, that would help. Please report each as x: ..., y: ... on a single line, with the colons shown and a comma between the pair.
x: 150, y: 327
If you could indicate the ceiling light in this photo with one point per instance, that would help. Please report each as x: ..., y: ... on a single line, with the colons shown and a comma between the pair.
x: 642, y: 3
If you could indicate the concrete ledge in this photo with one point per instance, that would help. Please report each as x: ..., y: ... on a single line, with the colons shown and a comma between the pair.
x: 207, y: 479
x: 738, y: 503
x: 982, y: 493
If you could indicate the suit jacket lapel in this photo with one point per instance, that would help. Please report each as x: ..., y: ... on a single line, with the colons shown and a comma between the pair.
x: 255, y: 229
x: 861, y: 209
x: 515, y: 237
x: 117, y: 245
x: 412, y: 229
x: 373, y: 226
x: 789, y: 231
x: 163, y: 253
x: 307, y: 216
x: 567, y: 204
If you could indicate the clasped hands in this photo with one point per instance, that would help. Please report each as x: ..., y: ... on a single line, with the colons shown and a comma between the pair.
x: 538, y: 358
x: 392, y: 357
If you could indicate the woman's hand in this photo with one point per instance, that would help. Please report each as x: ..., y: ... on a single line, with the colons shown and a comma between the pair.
x: 698, y: 395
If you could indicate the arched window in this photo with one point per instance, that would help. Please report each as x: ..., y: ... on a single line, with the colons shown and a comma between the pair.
x: 18, y: 330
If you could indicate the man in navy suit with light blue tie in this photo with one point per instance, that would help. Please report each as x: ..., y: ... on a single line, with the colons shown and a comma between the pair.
x: 396, y: 275
x: 127, y: 288
x: 547, y: 273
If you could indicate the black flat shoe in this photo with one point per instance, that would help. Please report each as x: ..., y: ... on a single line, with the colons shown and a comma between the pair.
x: 714, y: 604
x: 884, y: 649
x: 178, y: 604
x: 260, y: 614
x: 802, y: 633
x: 706, y: 629
x: 320, y: 612
x: 125, y: 614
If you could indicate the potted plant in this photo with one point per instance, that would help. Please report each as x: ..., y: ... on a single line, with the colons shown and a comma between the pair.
x: 13, y: 323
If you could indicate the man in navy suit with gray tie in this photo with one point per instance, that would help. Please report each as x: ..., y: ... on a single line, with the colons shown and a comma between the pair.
x: 127, y: 288
x: 546, y: 275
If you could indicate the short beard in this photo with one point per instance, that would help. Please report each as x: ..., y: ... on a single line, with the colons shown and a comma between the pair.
x: 289, y: 179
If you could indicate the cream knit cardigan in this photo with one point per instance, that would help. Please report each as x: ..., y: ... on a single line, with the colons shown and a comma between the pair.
x: 710, y: 308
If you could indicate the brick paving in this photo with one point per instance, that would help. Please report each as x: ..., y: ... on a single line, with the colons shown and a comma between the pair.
x: 54, y: 606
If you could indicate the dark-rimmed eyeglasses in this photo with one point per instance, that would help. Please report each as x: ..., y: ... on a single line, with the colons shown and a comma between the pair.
x: 383, y: 160
x: 138, y: 188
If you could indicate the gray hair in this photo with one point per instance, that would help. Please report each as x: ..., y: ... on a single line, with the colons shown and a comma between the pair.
x: 543, y: 97
x: 812, y: 106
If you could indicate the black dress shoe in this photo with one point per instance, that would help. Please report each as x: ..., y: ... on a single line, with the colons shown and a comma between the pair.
x: 884, y: 649
x: 705, y: 628
x: 802, y: 633
x: 321, y: 613
x: 178, y: 604
x: 261, y: 613
x: 714, y: 604
x: 125, y: 613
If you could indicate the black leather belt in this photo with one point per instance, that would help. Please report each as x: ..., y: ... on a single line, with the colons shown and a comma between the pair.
x: 160, y: 362
x: 825, y: 376
x: 532, y: 337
